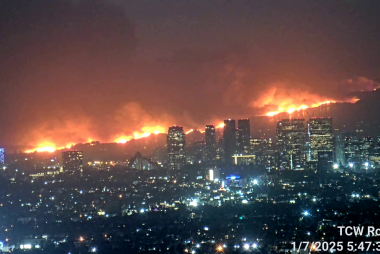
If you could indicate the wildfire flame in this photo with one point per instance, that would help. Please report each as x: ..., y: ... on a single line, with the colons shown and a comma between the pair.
x: 121, y: 139
x: 48, y: 147
x: 146, y: 132
x: 221, y: 125
x: 291, y: 109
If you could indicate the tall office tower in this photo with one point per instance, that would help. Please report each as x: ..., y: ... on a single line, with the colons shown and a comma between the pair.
x: 365, y: 147
x: 176, y: 147
x: 210, y: 144
x: 291, y: 143
x: 72, y: 161
x: 375, y: 153
x: 339, y: 149
x: 2, y: 156
x: 325, y: 161
x: 195, y: 152
x: 321, y: 137
x: 244, y: 136
x: 352, y: 150
x: 229, y: 139
x: 358, y: 151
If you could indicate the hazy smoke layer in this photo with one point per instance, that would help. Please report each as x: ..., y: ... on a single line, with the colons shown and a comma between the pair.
x: 71, y: 71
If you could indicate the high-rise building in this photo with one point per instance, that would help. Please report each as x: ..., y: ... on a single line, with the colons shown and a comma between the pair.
x: 264, y: 151
x: 325, y: 161
x: 195, y: 152
x: 72, y: 160
x: 2, y: 156
x: 160, y: 154
x: 176, y: 147
x: 229, y: 140
x: 321, y: 137
x: 244, y: 136
x: 291, y: 142
x: 210, y: 137
x: 141, y: 163
x: 339, y: 149
x: 359, y: 152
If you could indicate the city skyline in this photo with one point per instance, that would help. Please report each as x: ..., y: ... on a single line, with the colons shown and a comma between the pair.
x: 189, y: 126
x: 50, y: 146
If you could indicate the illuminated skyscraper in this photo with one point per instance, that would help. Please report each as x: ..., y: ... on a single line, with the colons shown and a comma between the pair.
x: 352, y: 150
x: 244, y: 136
x: 321, y: 137
x: 176, y: 147
x: 339, y: 149
x: 210, y: 144
x: 291, y: 142
x: 229, y: 140
x: 358, y: 151
x: 72, y: 161
x: 2, y: 156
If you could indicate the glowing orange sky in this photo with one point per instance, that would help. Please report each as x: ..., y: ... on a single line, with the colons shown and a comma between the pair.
x: 121, y: 139
x: 272, y: 98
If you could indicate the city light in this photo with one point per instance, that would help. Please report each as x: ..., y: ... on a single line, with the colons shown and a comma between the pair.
x: 219, y: 248
x: 306, y: 213
x: 26, y: 246
x: 336, y: 166
x: 255, y: 181
x: 246, y: 246
x: 193, y: 203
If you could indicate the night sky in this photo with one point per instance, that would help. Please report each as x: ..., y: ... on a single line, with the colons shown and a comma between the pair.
x: 73, y: 70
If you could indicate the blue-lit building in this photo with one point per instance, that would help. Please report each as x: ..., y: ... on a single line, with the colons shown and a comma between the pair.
x: 2, y: 156
x: 235, y: 181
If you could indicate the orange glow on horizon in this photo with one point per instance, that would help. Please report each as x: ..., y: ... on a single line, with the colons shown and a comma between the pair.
x: 221, y: 125
x: 291, y: 109
x: 146, y: 132
x: 48, y: 148
x: 121, y: 139
x: 285, y: 105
